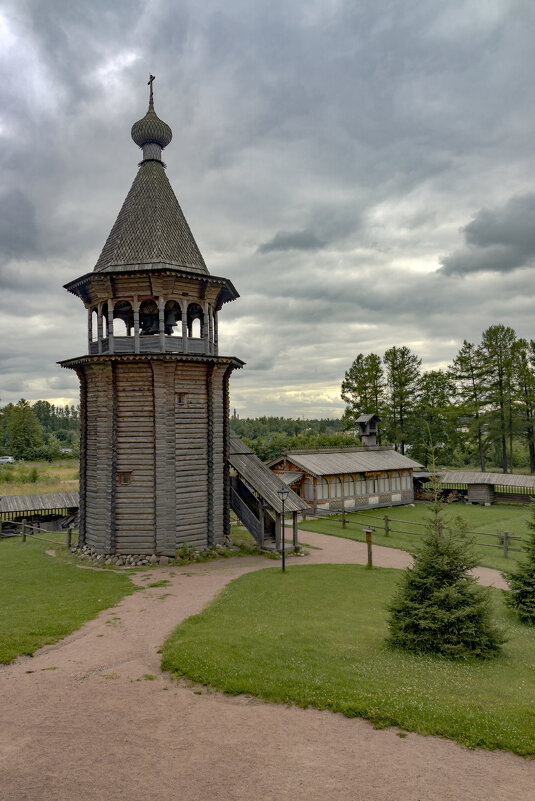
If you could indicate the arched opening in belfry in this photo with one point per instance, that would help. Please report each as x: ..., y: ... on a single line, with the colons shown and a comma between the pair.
x: 148, y: 318
x: 195, y: 321
x: 123, y: 319
x: 105, y: 326
x: 173, y: 318
x: 94, y: 324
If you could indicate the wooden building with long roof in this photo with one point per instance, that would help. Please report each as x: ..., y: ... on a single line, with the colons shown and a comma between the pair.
x: 153, y: 386
x: 330, y: 479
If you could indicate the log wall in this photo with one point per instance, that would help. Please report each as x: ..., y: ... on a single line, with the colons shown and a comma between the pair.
x: 481, y: 493
x: 135, y: 513
x: 98, y: 501
x: 153, y: 454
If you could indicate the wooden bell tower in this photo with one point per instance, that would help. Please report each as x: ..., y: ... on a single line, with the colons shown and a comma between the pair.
x: 153, y: 387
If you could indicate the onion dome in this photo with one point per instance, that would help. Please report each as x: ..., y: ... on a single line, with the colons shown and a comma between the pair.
x: 151, y: 130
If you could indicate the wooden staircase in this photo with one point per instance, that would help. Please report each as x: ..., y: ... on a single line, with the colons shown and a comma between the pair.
x: 251, y: 513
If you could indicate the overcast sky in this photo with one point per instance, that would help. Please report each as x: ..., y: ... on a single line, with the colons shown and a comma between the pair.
x: 361, y: 170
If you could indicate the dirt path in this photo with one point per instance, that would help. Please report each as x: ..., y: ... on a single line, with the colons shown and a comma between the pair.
x: 84, y: 720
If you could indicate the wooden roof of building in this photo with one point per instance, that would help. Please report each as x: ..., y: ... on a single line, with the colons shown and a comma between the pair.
x: 262, y: 479
x: 17, y: 504
x: 496, y: 479
x: 331, y: 462
x: 151, y: 228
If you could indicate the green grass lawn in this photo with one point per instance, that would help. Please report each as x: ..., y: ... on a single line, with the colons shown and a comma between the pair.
x: 42, y: 599
x: 315, y: 637
x: 495, y: 519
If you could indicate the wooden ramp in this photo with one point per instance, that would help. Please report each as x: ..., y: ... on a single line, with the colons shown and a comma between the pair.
x: 254, y: 498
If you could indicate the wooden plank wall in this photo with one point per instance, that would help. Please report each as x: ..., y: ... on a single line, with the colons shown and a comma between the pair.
x: 99, y: 470
x: 481, y: 493
x: 83, y: 452
x: 165, y: 455
x: 219, y: 463
x: 134, y: 506
x: 191, y: 431
x: 176, y: 453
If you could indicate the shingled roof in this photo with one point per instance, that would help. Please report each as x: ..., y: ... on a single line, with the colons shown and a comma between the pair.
x: 151, y: 229
x: 328, y: 461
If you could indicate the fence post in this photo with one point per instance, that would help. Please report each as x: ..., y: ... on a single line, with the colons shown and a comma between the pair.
x: 69, y: 537
x: 387, y: 527
x: 24, y: 530
x: 368, y: 531
x: 506, y: 544
x: 343, y: 517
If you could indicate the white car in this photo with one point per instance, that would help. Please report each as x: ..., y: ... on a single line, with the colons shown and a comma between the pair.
x: 7, y: 460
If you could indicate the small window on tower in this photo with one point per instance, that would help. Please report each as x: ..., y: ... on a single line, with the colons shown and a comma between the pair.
x: 124, y: 477
x: 181, y: 399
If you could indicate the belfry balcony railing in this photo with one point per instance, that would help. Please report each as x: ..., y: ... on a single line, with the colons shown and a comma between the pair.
x: 153, y: 344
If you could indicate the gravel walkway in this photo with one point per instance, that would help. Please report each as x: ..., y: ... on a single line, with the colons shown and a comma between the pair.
x: 85, y: 719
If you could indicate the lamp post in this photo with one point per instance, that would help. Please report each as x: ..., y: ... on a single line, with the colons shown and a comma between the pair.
x: 283, y: 493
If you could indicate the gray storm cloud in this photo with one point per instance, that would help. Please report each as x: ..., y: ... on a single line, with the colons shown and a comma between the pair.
x: 497, y: 240
x: 326, y: 156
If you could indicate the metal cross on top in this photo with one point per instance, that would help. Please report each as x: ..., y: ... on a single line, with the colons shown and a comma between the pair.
x: 149, y: 83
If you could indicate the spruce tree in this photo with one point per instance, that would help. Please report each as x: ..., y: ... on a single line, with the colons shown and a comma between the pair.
x: 438, y: 608
x: 521, y: 582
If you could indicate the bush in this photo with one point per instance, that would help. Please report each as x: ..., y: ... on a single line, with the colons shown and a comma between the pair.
x: 438, y: 608
x: 521, y: 582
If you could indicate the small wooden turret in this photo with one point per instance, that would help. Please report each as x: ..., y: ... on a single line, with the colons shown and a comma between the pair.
x: 368, y: 429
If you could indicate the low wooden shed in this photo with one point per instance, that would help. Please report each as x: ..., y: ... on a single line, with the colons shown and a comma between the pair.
x: 38, y: 507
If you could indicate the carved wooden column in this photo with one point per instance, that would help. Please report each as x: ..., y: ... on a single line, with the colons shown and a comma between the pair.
x: 111, y: 345
x: 161, y: 322
x: 184, y: 308
x: 99, y: 327
x: 89, y: 328
x: 205, y: 327
x: 210, y: 330
x: 136, y: 324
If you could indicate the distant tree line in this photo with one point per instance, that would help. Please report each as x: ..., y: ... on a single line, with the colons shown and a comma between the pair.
x: 270, y: 436
x: 38, y: 431
x: 479, y: 410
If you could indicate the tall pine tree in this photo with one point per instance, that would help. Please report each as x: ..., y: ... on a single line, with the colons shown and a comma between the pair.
x: 468, y: 373
x: 402, y: 374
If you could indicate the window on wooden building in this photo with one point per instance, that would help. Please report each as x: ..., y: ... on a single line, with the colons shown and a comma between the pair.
x: 94, y: 325
x: 195, y: 318
x: 349, y: 486
x: 373, y: 485
x: 172, y: 319
x: 361, y: 485
x: 396, y: 482
x: 322, y: 489
x: 124, y: 477
x: 384, y: 484
x: 180, y: 398
x: 308, y: 489
x: 123, y: 319
x: 335, y: 488
x: 406, y: 479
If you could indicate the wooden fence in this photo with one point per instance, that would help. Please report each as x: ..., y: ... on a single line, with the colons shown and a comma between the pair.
x: 385, y: 522
x: 26, y: 530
